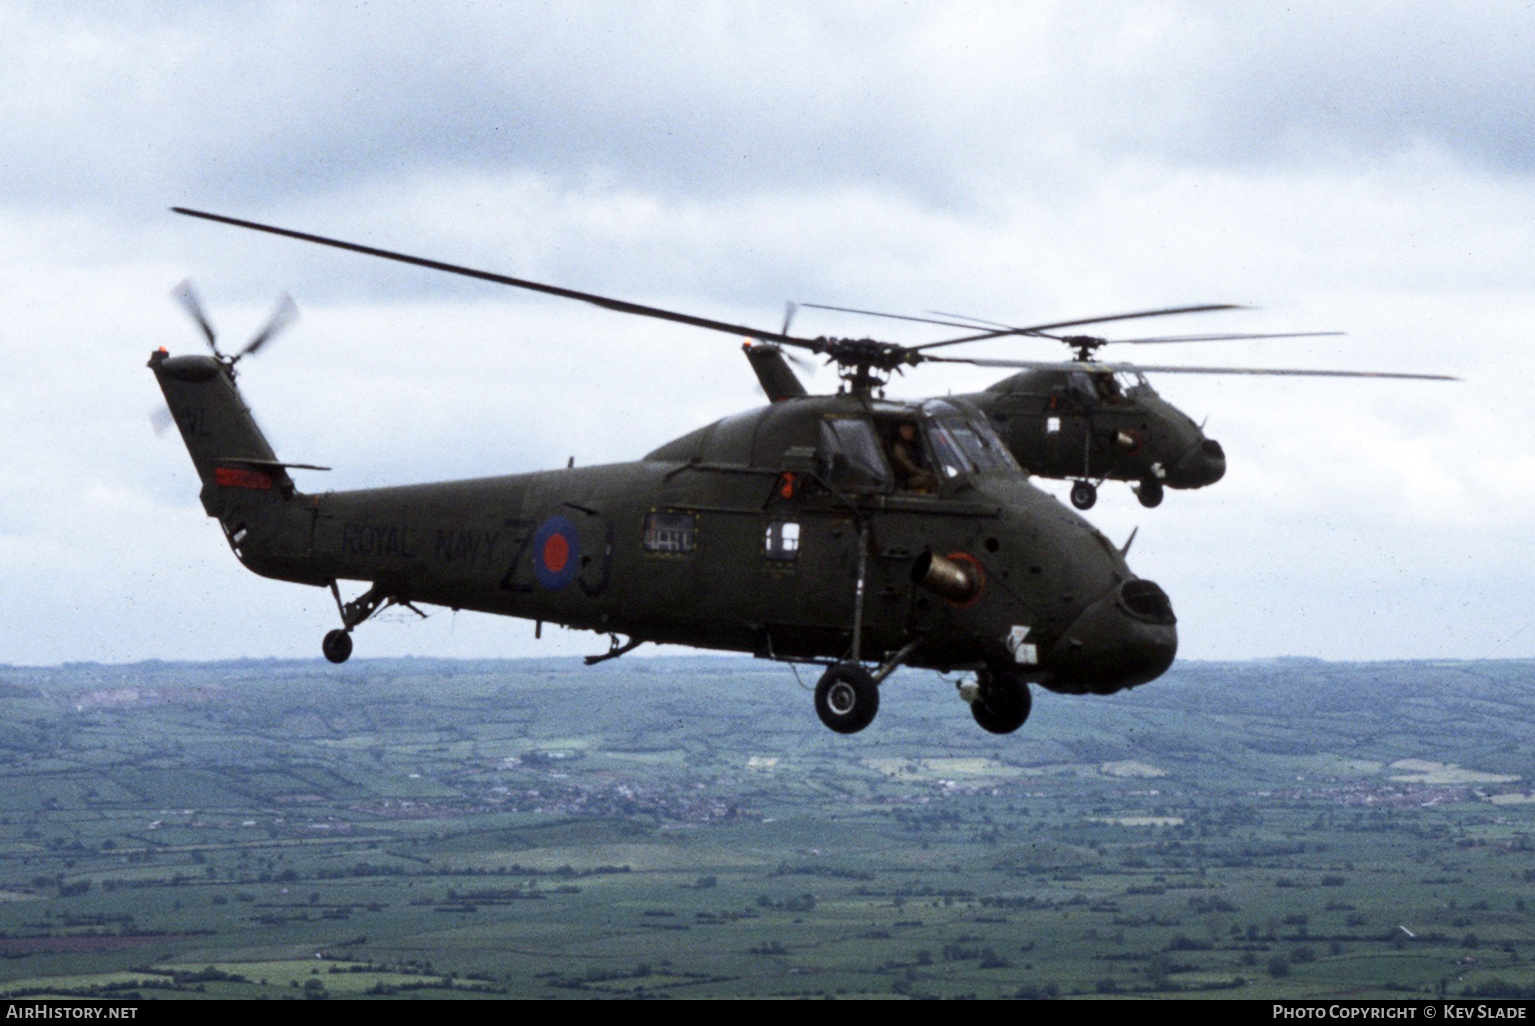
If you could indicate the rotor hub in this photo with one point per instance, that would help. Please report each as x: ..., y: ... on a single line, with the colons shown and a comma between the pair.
x: 865, y: 363
x: 1085, y: 345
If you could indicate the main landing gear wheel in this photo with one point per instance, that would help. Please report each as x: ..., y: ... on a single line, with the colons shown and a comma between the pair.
x: 1150, y: 492
x: 1002, y: 704
x: 846, y: 698
x: 1083, y: 495
x: 337, y: 646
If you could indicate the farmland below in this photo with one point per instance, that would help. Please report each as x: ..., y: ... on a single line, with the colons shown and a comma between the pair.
x: 686, y: 827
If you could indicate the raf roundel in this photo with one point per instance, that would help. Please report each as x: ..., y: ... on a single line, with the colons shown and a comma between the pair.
x: 556, y: 552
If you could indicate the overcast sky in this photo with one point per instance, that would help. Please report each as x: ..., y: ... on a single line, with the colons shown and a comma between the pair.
x: 1367, y: 168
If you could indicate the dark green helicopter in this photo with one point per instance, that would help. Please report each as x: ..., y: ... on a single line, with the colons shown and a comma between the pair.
x: 847, y: 531
x: 1085, y: 420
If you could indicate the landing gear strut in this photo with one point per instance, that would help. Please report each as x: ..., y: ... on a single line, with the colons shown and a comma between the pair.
x: 1084, y: 494
x: 337, y: 645
x: 1002, y: 702
x: 847, y: 695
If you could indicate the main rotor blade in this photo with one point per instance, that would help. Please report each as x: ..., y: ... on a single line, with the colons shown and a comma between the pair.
x: 186, y: 295
x: 1038, y: 329
x: 1087, y: 366
x: 1284, y: 371
x: 1167, y: 312
x: 606, y: 302
x: 1215, y: 338
x: 285, y: 314
x: 977, y: 322
x: 1097, y: 367
x: 890, y: 316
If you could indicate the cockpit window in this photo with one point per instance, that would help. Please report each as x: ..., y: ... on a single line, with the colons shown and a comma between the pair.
x: 962, y: 444
x: 854, y: 450
x: 909, y: 457
x: 1081, y: 383
x: 1130, y: 382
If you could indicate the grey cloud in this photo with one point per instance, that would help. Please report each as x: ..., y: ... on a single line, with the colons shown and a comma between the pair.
x: 293, y: 100
x: 263, y: 103
x: 1309, y: 82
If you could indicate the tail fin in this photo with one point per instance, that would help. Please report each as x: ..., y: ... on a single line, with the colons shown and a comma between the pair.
x: 773, y: 371
x: 238, y: 468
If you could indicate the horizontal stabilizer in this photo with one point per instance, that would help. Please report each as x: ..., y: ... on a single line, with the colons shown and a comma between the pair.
x: 270, y: 464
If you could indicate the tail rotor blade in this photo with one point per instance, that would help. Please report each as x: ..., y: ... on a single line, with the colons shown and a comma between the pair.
x: 789, y: 310
x: 285, y: 314
x: 186, y: 295
x: 804, y: 364
x: 161, y: 419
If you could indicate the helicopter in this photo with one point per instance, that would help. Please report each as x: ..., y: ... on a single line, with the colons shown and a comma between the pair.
x: 848, y: 531
x: 1086, y: 420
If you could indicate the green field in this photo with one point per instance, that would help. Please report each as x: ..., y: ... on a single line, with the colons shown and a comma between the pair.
x: 687, y: 828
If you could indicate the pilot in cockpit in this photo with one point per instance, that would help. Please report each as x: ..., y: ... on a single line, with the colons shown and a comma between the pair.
x: 909, y: 461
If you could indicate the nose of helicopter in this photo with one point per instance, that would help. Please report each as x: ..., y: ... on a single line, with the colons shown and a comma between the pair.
x: 1126, y: 637
x: 1202, y: 465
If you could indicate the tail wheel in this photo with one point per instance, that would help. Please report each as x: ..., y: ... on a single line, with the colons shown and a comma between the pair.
x: 1083, y: 495
x: 337, y: 646
x: 1003, y: 703
x: 1150, y: 492
x: 846, y: 698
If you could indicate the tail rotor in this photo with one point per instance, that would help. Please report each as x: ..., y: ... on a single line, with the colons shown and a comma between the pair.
x: 285, y: 313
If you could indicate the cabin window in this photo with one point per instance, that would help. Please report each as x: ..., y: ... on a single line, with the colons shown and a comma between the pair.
x: 782, y: 541
x: 854, y: 450
x: 1052, y: 425
x: 670, y: 532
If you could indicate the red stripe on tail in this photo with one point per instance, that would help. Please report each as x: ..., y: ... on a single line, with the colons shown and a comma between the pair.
x: 241, y: 477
